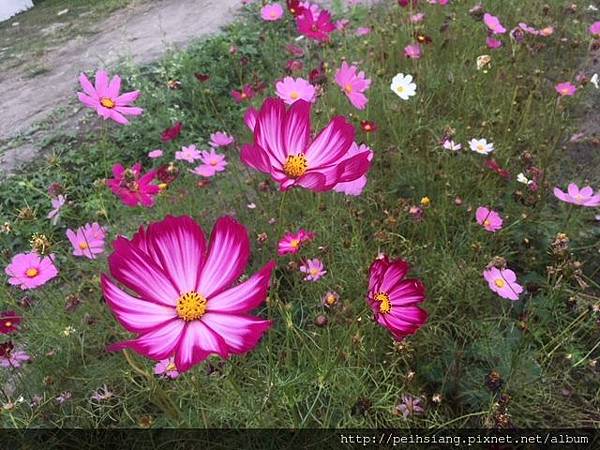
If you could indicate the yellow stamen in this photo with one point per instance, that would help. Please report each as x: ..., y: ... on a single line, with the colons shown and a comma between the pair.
x: 8, y: 324
x: 385, y: 306
x: 486, y: 223
x: 295, y: 243
x: 83, y: 245
x: 500, y: 283
x: 191, y: 306
x: 107, y: 102
x: 32, y: 272
x: 400, y: 89
x: 295, y: 165
x: 314, y: 271
x: 348, y: 88
x: 170, y: 367
x: 330, y: 300
x: 294, y: 95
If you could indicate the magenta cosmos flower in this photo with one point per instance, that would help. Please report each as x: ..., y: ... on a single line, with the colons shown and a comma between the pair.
x: 503, y: 282
x: 353, y: 84
x: 565, y: 89
x: 355, y: 187
x: 9, y: 322
x: 212, y: 163
x: 184, y: 303
x: 314, y: 269
x: 493, y: 43
x: 595, y: 29
x: 271, y: 12
x: 132, y: 187
x: 88, y: 240
x: 106, y: 99
x: 30, y: 270
x: 290, y: 90
x: 283, y: 148
x: 393, y: 299
x: 247, y: 93
x: 488, y: 219
x: 291, y: 243
x: 582, y: 197
x: 493, y: 24
x: 316, y: 26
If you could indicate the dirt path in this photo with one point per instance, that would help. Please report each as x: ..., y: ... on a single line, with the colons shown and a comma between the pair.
x: 141, y: 32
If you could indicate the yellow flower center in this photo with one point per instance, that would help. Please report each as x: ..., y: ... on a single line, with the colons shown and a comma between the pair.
x: 480, y: 147
x: 214, y: 162
x: 400, y: 89
x: 32, y: 272
x: 8, y: 324
x: 243, y: 95
x: 500, y: 283
x: 295, y: 243
x: 163, y: 186
x: 486, y: 223
x: 348, y: 88
x: 295, y: 165
x: 107, y: 102
x: 330, y: 299
x: 294, y: 95
x: 171, y: 367
x: 191, y: 306
x: 314, y: 271
x: 385, y: 306
x: 83, y: 245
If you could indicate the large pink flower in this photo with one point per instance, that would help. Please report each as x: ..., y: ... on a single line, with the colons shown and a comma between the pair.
x: 283, y: 148
x: 88, y: 240
x: 30, y: 270
x: 393, y: 299
x: 317, y: 26
x: 132, y: 187
x: 583, y: 197
x: 106, y: 99
x: 353, y: 84
x: 184, y: 303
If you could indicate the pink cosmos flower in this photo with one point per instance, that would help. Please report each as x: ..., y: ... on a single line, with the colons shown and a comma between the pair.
x: 503, y: 282
x: 493, y: 43
x: 417, y: 18
x: 57, y: 204
x: 409, y: 406
x: 30, y: 270
x: 582, y: 197
x: 362, y: 31
x: 221, y: 139
x: 493, y: 23
x: 189, y: 154
x: 488, y: 219
x: 355, y: 187
x: 245, y: 94
x: 314, y: 269
x: 283, y: 148
x: 166, y: 368
x: 292, y: 242
x: 132, y: 187
x: 528, y: 29
x: 10, y: 358
x: 271, y: 12
x: 154, y: 154
x: 413, y: 51
x: 315, y: 26
x: 449, y: 144
x: 546, y: 31
x: 291, y: 90
x: 341, y: 24
x: 565, y: 89
x: 183, y: 302
x: 212, y: 162
x: 353, y: 84
x: 393, y: 299
x: 106, y: 99
x: 88, y: 240
x: 595, y: 29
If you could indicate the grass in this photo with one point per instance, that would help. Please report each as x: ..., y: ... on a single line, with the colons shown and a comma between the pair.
x: 349, y: 373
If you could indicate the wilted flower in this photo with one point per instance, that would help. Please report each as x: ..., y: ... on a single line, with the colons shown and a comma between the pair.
x: 330, y: 299
x: 57, y: 204
x: 409, y: 406
x: 102, y: 394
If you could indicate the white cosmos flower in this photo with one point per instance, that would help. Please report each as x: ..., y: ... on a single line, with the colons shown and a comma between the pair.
x: 481, y: 146
x: 403, y: 86
x: 594, y: 80
x: 449, y: 144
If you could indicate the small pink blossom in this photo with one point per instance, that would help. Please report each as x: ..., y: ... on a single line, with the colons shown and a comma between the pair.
x: 417, y: 18
x: 212, y: 162
x: 155, y: 153
x: 133, y: 187
x: 291, y: 243
x: 30, y: 270
x: 11, y: 358
x: 488, y: 219
x: 413, y: 51
x: 409, y: 406
x: 493, y: 23
x: 166, y: 368
x: 449, y: 144
x: 291, y: 90
x: 221, y: 139
x: 245, y: 94
x: 595, y: 29
x: 341, y: 24
x: 582, y: 197
x: 362, y: 31
x: 189, y: 154
x: 88, y: 240
x: 353, y: 84
x: 57, y: 204
x: 493, y: 43
x: 271, y: 12
x: 314, y: 269
x: 503, y: 282
x: 565, y: 89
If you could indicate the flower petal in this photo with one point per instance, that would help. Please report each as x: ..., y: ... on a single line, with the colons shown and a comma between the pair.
x: 331, y: 144
x: 240, y: 333
x: 196, y: 344
x: 268, y: 132
x: 296, y: 131
x: 157, y: 344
